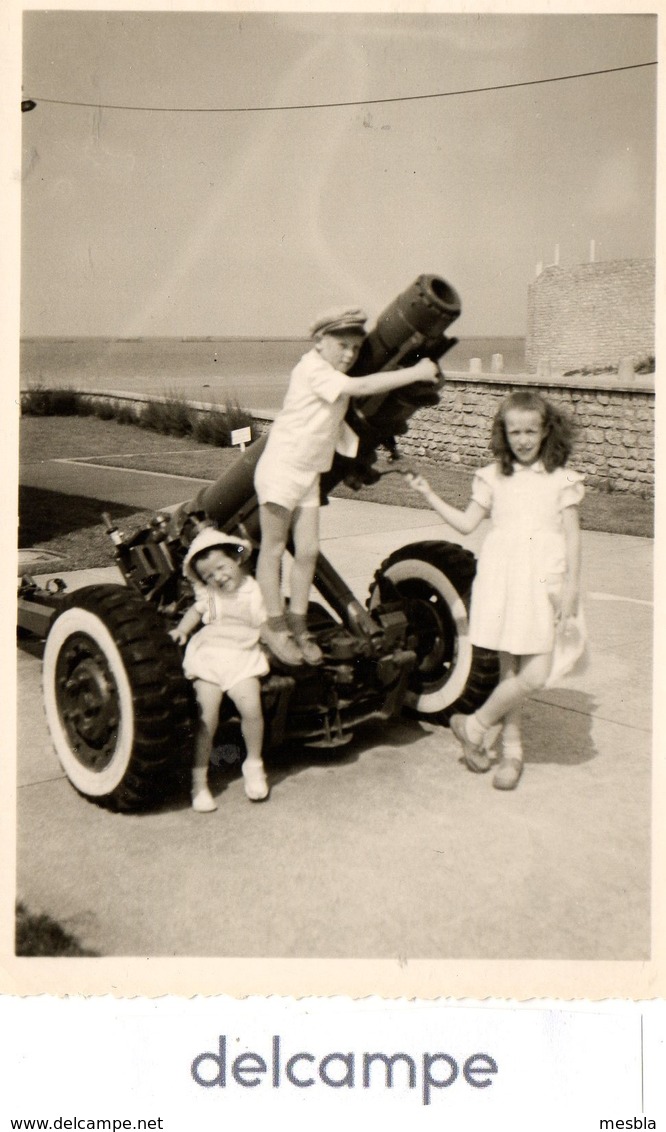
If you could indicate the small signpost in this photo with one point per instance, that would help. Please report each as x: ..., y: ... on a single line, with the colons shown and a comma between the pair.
x: 241, y: 436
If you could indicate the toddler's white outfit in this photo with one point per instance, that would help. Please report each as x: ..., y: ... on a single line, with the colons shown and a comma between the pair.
x: 305, y: 435
x: 522, y: 562
x: 226, y: 649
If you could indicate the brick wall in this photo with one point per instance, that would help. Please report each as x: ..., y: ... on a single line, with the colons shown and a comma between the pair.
x: 592, y: 314
x: 615, y: 427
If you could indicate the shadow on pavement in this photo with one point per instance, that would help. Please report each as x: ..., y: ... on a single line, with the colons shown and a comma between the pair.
x: 286, y: 762
x: 32, y: 645
x: 568, y: 742
x: 44, y: 515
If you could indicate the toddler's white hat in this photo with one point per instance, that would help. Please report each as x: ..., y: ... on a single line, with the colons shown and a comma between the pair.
x: 340, y: 319
x: 208, y: 539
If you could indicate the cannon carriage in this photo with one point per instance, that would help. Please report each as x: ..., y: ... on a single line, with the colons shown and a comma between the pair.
x: 120, y: 712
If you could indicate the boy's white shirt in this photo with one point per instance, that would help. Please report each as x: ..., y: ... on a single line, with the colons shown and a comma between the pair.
x: 310, y: 427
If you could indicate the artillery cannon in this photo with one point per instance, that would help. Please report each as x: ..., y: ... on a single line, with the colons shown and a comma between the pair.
x: 120, y: 712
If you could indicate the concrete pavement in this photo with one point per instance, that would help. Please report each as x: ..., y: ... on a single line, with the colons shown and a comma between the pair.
x: 391, y: 849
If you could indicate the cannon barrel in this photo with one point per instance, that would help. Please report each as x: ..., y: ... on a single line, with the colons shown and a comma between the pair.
x: 413, y: 326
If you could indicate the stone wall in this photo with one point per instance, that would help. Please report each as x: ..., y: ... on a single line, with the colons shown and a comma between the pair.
x: 591, y: 315
x: 615, y: 427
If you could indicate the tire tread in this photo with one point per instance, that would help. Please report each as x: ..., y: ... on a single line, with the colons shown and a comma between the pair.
x: 162, y: 697
x: 459, y: 565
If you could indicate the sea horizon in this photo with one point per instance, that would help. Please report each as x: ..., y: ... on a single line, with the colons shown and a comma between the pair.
x: 253, y: 371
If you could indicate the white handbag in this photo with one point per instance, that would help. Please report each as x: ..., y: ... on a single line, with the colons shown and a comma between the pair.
x: 570, y: 654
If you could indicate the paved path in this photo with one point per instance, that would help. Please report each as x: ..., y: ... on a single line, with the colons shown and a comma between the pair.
x: 392, y: 849
x: 149, y: 490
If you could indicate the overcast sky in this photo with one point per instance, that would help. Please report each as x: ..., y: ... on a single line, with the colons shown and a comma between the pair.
x: 139, y: 222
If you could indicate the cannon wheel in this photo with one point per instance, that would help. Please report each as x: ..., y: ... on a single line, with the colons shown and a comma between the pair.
x: 434, y: 581
x: 118, y: 708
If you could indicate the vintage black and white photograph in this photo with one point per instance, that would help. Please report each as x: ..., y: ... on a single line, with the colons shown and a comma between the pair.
x: 336, y: 502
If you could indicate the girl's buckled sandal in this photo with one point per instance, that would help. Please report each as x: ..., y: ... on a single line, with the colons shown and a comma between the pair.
x: 507, y: 775
x: 476, y: 758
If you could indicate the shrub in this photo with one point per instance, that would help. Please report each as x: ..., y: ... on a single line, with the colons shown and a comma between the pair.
x: 211, y: 428
x: 216, y: 426
x: 589, y: 371
x: 40, y: 935
x: 126, y: 412
x: 65, y: 402
x: 643, y: 364
x: 105, y: 410
x: 237, y: 417
x: 646, y: 364
x: 171, y: 416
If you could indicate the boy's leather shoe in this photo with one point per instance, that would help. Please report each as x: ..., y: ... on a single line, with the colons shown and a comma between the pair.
x: 283, y: 646
x: 309, y: 648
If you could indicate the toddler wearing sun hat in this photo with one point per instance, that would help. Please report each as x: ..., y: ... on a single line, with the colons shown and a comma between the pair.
x: 223, y: 655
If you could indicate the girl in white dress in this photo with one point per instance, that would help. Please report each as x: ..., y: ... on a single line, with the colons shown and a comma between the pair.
x: 528, y: 576
x: 224, y: 657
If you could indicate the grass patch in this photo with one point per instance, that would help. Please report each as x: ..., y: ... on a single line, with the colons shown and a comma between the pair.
x: 196, y: 463
x: 39, y: 935
x: 51, y: 438
x: 172, y: 416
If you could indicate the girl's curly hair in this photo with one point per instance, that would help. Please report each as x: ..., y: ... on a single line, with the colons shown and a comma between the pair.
x: 559, y: 431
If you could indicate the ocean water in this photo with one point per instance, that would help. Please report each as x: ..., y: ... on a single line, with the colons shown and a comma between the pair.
x: 253, y: 371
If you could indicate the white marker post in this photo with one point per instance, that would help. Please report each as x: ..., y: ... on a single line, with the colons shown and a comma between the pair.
x: 241, y: 436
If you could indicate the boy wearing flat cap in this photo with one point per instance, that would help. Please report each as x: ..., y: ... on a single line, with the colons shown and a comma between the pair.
x: 307, y: 432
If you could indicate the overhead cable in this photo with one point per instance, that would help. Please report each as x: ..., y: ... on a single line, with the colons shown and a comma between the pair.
x: 330, y: 105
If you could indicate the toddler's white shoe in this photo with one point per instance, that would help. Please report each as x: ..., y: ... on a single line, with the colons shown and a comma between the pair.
x: 254, y: 781
x: 203, y: 801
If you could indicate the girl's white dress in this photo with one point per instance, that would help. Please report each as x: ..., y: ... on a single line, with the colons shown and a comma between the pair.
x: 522, y: 562
x: 226, y: 649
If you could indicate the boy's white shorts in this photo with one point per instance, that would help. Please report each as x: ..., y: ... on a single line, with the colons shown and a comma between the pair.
x: 287, y: 486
